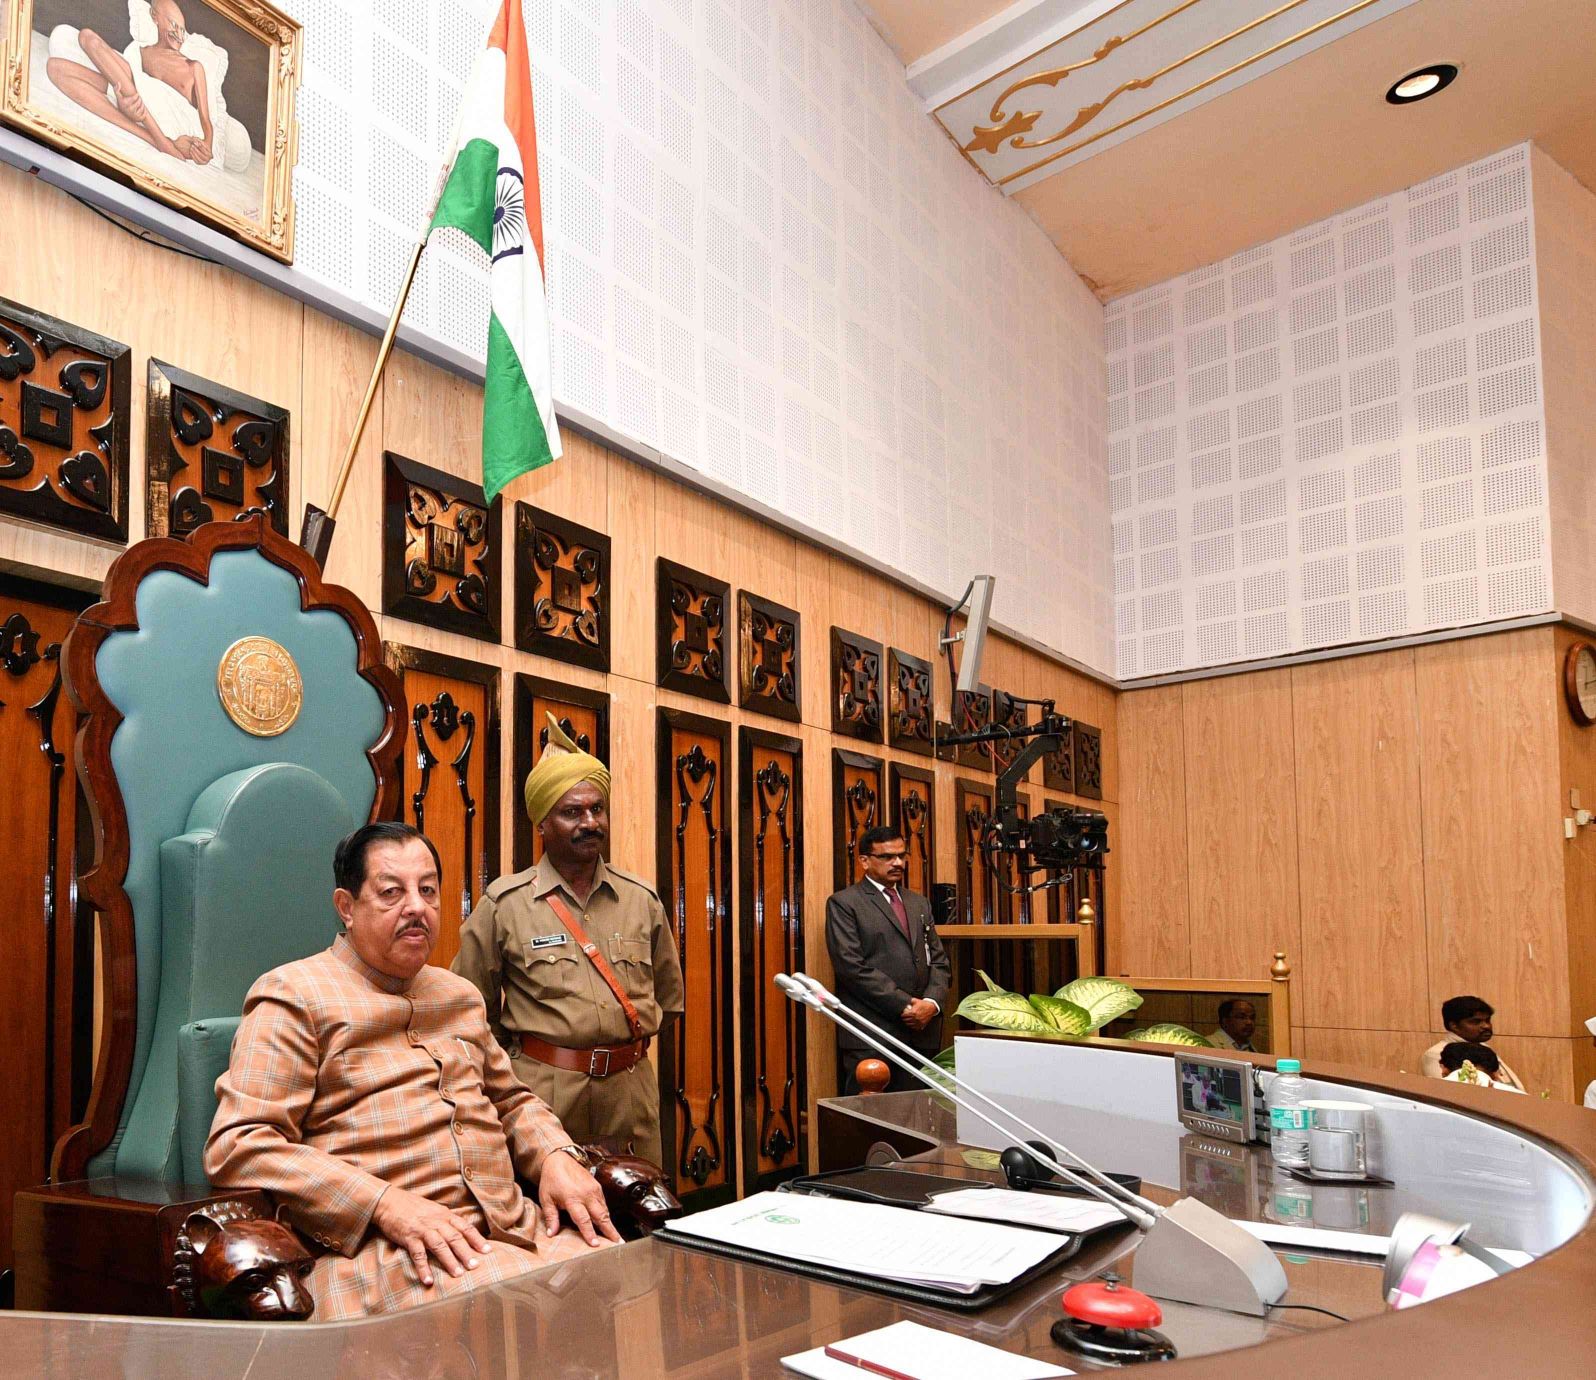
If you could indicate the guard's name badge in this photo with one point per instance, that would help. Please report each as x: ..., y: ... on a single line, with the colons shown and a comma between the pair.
x: 546, y: 941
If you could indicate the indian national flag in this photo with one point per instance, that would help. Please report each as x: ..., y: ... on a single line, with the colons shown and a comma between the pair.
x: 492, y: 195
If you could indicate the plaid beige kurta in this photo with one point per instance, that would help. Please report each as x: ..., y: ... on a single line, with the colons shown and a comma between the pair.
x: 344, y: 1081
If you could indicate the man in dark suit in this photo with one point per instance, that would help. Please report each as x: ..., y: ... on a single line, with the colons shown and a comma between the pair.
x: 890, y: 965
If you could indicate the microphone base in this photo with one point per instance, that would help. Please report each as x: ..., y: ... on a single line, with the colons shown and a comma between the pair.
x: 1193, y: 1254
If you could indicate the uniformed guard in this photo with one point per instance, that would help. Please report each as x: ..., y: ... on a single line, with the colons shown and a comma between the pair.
x: 576, y: 961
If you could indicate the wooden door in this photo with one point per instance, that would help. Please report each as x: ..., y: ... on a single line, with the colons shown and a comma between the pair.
x: 584, y: 717
x: 694, y: 873
x: 450, y: 789
x: 775, y: 1091
x: 913, y: 814
x: 858, y: 803
x: 38, y: 821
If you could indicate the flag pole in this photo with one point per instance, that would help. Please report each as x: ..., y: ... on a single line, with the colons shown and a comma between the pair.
x: 316, y: 531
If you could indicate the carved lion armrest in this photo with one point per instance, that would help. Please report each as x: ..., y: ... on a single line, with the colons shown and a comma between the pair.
x: 230, y: 1262
x: 637, y: 1191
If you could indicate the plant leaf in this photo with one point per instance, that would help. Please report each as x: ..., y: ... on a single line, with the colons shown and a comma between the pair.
x: 1104, y: 999
x: 990, y: 985
x: 1064, y: 1016
x: 1004, y: 1011
x: 1166, y: 1033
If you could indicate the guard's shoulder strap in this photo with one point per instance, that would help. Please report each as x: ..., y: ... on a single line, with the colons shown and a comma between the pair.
x: 632, y: 877
x: 500, y: 885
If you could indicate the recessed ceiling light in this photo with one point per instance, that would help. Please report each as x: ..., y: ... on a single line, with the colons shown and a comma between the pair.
x: 1424, y: 82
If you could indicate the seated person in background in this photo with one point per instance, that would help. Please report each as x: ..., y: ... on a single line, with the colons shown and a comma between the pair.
x: 1476, y: 1064
x: 1238, y: 1018
x: 367, y: 1095
x: 1590, y: 1088
x: 1467, y: 1019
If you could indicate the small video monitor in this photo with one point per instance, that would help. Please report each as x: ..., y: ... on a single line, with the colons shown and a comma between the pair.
x: 1214, y: 1096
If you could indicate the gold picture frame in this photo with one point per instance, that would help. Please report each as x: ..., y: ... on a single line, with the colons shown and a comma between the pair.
x: 222, y: 150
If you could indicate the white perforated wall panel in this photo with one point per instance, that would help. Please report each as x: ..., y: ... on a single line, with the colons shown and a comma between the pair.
x: 764, y: 261
x: 1336, y: 437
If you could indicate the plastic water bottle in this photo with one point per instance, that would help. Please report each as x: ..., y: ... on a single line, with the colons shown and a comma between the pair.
x: 1288, y: 1118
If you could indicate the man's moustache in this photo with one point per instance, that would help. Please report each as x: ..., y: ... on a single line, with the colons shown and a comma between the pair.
x: 413, y: 926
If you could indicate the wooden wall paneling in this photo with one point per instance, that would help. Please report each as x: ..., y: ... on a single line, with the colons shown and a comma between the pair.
x: 585, y: 717
x: 1359, y: 845
x: 634, y: 798
x: 1087, y: 742
x: 831, y: 592
x: 441, y: 553
x: 911, y: 808
x: 632, y: 516
x: 774, y: 1073
x: 694, y: 878
x: 65, y: 419
x: 858, y: 803
x: 562, y: 585
x: 1493, y: 828
x: 972, y: 711
x: 211, y: 452
x: 769, y: 657
x: 693, y: 640
x: 909, y: 702
x: 1150, y: 935
x: 972, y: 812
x: 819, y: 883
x: 39, y: 818
x: 1241, y: 823
x: 856, y: 685
x: 451, y: 775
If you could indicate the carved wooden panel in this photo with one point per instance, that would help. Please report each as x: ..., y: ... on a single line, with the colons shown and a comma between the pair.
x: 1088, y: 761
x: 584, y: 715
x: 1007, y: 712
x: 211, y: 454
x: 690, y: 629
x: 451, y: 775
x: 694, y: 871
x: 1058, y: 766
x: 855, y: 685
x: 64, y: 419
x: 972, y: 711
x: 440, y: 552
x: 913, y: 812
x: 771, y: 866
x: 38, y: 930
x: 909, y: 701
x: 972, y: 813
x: 562, y: 589
x: 768, y: 644
x: 857, y: 804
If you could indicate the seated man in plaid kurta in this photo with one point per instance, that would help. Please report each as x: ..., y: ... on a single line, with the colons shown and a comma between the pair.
x: 367, y: 1095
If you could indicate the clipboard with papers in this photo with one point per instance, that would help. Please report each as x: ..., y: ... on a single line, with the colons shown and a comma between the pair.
x: 906, y: 1252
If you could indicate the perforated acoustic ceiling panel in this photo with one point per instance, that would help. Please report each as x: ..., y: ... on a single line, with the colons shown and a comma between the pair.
x: 762, y: 260
x: 1337, y: 437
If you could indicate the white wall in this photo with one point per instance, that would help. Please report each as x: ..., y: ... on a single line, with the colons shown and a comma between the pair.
x: 764, y: 261
x: 1336, y: 437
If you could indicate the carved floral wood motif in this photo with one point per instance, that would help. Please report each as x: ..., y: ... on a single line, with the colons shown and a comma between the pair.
x: 42, y: 941
x: 1088, y: 761
x: 972, y: 812
x: 451, y: 775
x: 972, y: 711
x: 584, y: 716
x: 562, y: 589
x: 211, y: 453
x: 64, y: 419
x: 771, y: 865
x: 1058, y: 766
x: 440, y: 558
x: 694, y: 872
x: 691, y: 632
x: 855, y: 685
x: 768, y: 657
x: 913, y: 812
x: 1007, y: 712
x: 909, y: 701
x: 858, y: 803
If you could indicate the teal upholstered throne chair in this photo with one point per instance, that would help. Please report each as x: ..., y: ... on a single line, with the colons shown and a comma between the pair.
x: 220, y: 777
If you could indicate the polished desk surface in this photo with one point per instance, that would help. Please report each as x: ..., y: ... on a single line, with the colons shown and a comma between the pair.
x: 651, y: 1309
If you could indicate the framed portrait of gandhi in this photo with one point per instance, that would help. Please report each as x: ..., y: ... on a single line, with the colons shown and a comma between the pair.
x: 189, y: 101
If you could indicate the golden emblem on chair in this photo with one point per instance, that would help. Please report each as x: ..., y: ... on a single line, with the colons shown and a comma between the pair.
x: 260, y: 687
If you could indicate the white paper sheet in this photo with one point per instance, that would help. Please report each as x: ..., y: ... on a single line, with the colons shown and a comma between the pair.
x: 923, y: 1353
x: 1053, y: 1211
x: 1350, y: 1242
x: 870, y: 1238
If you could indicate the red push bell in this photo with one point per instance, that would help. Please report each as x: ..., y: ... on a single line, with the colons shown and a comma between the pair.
x: 1108, y: 1303
x: 1112, y: 1324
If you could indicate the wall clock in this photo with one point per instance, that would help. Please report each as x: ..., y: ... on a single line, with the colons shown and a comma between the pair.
x: 1579, y: 683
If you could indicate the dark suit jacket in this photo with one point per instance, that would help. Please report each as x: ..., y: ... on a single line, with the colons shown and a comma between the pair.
x: 878, y: 970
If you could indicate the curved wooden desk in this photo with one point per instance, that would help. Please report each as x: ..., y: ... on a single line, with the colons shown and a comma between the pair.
x: 653, y: 1310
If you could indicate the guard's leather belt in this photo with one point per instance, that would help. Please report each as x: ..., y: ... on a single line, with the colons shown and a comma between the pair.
x: 598, y: 1062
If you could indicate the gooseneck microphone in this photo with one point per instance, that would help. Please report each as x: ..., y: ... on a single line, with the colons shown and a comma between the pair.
x: 1191, y: 1253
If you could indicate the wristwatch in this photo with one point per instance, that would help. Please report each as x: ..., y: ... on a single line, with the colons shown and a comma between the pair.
x: 577, y: 1153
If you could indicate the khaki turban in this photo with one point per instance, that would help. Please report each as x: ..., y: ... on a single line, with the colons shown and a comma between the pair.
x: 562, y: 766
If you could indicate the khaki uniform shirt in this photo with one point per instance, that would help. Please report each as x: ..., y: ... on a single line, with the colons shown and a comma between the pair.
x: 345, y: 1081
x: 536, y: 980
